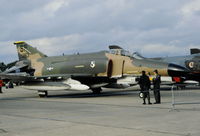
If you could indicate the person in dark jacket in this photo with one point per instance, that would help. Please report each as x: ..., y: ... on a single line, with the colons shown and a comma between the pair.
x: 156, y: 87
x: 1, y: 84
x: 145, y: 84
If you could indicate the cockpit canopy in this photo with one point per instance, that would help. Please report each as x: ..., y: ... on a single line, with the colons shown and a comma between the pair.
x: 117, y: 50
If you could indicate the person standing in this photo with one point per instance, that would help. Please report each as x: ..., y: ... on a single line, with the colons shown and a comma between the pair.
x: 145, y: 84
x: 156, y: 87
x: 1, y: 84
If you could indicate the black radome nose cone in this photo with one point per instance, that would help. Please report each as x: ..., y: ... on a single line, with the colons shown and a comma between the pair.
x: 176, y: 70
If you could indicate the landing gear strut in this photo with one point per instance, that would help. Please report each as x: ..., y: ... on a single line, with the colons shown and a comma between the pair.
x: 96, y: 90
x: 42, y: 94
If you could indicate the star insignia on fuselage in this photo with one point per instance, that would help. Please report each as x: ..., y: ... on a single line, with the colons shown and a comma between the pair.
x: 50, y: 68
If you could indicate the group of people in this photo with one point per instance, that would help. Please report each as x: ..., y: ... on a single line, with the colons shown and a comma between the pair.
x: 145, y: 85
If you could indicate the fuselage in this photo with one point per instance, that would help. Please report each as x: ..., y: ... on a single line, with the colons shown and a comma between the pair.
x: 98, y: 64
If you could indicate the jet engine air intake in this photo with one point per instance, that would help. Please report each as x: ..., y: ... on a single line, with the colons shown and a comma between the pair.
x: 193, y: 65
x: 109, y: 70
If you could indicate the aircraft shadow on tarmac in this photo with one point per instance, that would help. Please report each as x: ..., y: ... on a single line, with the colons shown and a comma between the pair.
x: 114, y: 93
x: 110, y: 93
x: 131, y: 93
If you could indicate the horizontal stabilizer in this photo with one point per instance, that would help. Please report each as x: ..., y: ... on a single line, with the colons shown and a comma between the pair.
x: 15, y: 68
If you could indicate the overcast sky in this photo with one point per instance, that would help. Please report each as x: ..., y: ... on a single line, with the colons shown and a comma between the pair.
x: 151, y: 27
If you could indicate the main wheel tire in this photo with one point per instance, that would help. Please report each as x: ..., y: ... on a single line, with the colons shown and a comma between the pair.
x: 96, y: 90
x: 42, y: 94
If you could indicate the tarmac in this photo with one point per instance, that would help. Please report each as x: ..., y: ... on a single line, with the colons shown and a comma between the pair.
x: 115, y: 112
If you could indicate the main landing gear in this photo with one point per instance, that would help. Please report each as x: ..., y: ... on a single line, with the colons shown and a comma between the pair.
x: 96, y: 90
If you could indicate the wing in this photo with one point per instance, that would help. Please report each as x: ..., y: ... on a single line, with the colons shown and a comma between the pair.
x: 16, y: 77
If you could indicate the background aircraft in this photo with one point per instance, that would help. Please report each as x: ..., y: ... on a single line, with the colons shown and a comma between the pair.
x: 2, y: 67
x: 37, y: 71
x: 191, y: 62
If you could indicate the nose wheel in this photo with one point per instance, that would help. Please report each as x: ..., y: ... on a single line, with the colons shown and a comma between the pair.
x: 42, y: 94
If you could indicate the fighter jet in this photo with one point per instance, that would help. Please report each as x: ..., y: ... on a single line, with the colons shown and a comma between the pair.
x: 4, y: 66
x: 191, y: 62
x: 37, y: 71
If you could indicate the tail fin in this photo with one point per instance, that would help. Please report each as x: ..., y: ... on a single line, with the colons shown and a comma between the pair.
x: 2, y: 66
x: 194, y: 51
x: 25, y: 51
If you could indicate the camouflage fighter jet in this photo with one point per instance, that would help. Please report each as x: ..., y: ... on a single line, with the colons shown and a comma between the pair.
x: 37, y: 71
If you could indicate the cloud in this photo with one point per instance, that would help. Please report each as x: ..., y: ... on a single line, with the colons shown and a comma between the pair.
x: 191, y: 8
x: 54, y: 6
x: 69, y: 26
x: 159, y: 49
x: 7, y: 52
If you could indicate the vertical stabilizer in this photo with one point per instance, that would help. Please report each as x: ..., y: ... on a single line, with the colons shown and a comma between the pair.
x: 194, y: 51
x: 25, y: 51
